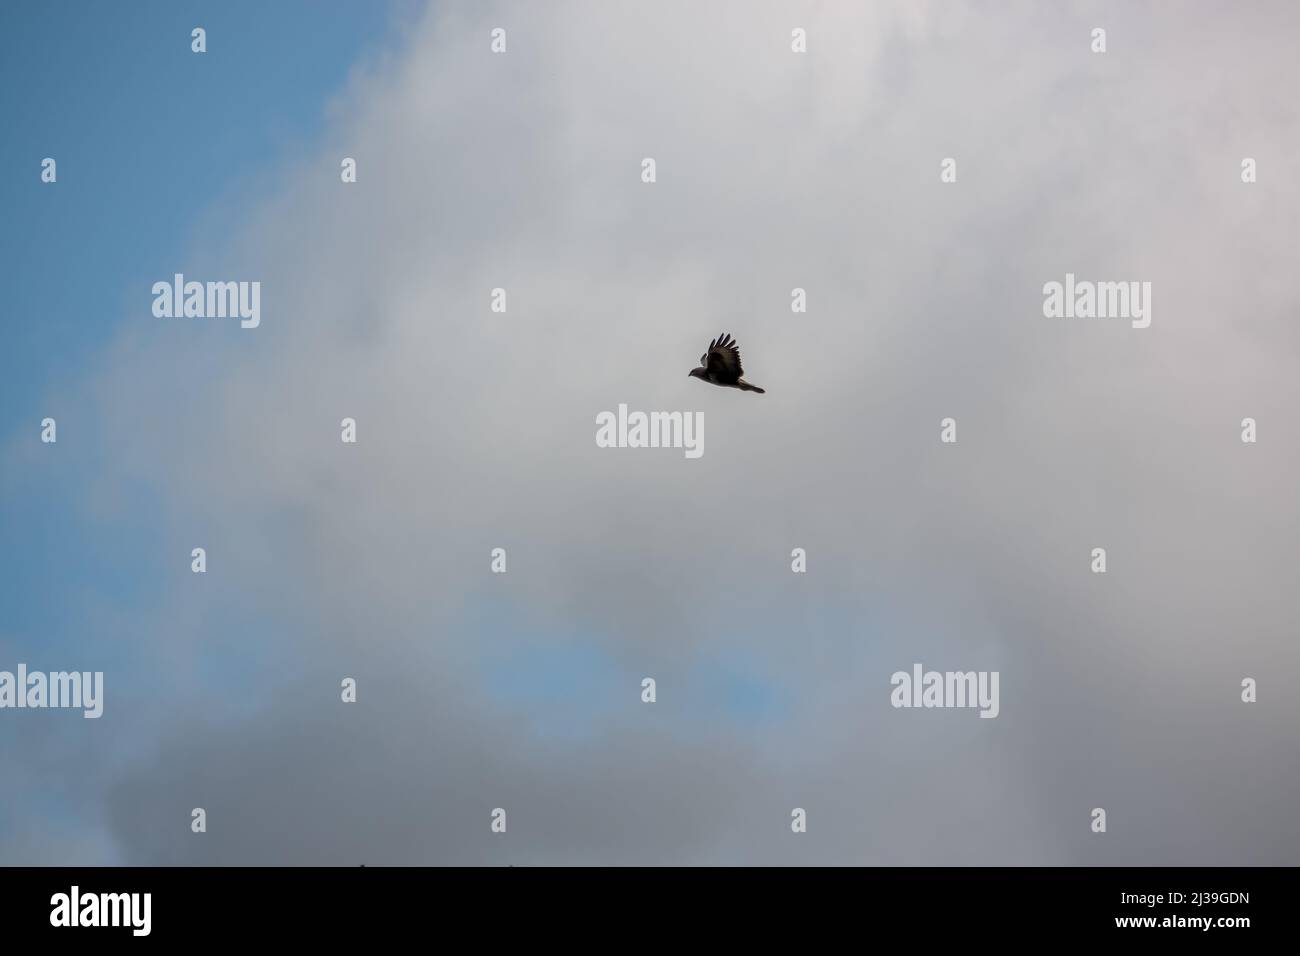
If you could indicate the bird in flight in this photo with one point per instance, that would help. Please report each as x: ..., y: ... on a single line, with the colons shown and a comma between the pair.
x: 720, y: 365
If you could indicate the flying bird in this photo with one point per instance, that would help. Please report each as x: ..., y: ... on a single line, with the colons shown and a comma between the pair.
x: 720, y: 365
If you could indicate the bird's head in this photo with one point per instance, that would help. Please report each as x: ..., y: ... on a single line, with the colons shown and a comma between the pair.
x: 697, y: 372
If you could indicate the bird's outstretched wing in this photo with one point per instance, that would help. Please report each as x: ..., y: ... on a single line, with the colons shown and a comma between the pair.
x: 723, y: 359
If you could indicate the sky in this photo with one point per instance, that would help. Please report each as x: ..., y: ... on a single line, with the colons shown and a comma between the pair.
x: 775, y: 170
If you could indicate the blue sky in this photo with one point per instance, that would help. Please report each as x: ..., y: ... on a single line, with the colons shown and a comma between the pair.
x: 147, y: 135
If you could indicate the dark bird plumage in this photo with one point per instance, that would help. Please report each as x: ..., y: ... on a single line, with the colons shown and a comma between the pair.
x: 720, y: 365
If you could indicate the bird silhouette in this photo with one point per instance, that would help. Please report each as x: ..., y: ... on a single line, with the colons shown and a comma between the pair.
x: 720, y: 365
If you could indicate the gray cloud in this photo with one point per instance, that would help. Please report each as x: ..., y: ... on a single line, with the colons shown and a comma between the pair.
x: 476, y: 431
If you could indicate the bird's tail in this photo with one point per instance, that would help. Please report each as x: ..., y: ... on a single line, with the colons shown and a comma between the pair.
x: 746, y: 387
